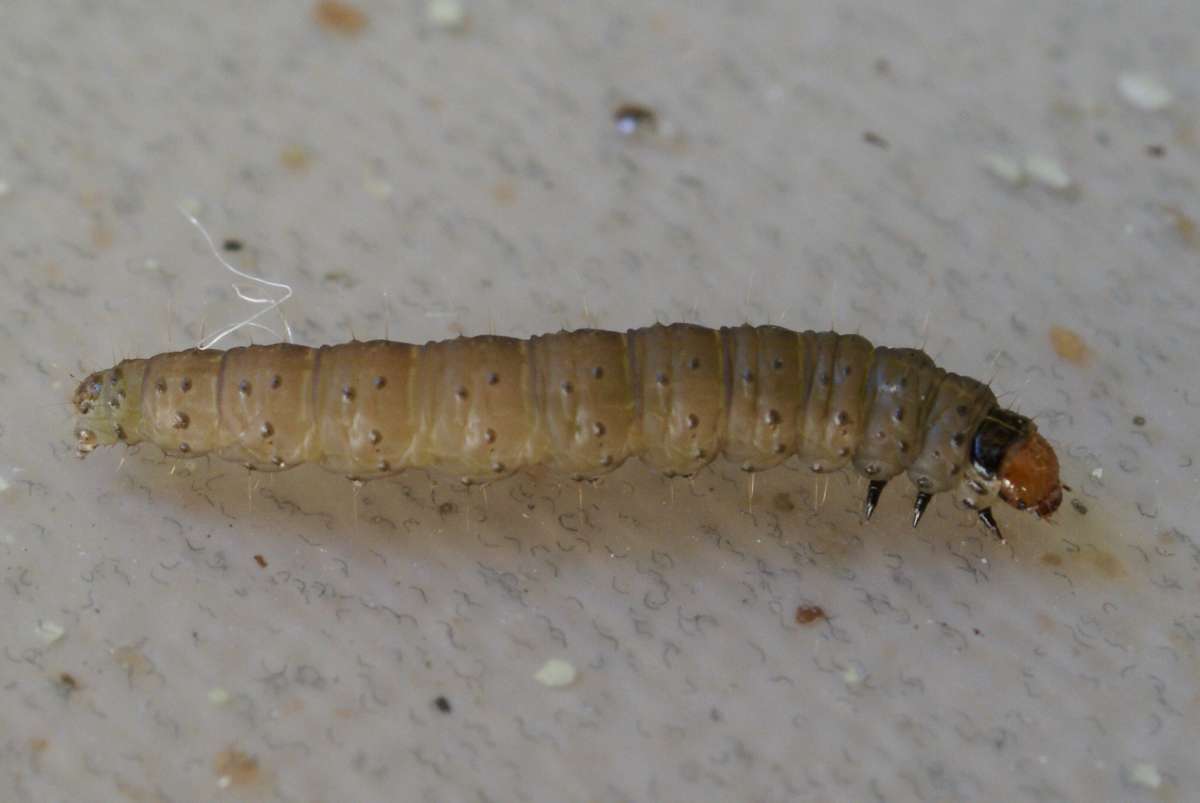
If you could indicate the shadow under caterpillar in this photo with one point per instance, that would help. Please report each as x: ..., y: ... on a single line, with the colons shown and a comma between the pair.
x: 582, y: 402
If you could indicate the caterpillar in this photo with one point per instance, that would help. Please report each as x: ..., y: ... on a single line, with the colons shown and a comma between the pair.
x: 583, y: 402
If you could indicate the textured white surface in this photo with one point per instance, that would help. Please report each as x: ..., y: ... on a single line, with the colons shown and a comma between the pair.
x: 476, y: 179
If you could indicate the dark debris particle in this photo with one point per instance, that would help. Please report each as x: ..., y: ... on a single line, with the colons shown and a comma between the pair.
x: 871, y: 138
x: 261, y: 561
x: 633, y: 118
x: 442, y: 704
x: 1156, y: 151
x: 1139, y: 421
x: 446, y: 508
x: 232, y: 245
x: 1080, y: 507
x: 807, y: 614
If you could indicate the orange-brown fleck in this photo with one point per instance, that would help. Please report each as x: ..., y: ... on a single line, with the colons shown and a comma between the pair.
x: 101, y: 235
x: 1184, y: 225
x: 1107, y: 564
x: 504, y: 193
x: 261, y: 561
x: 339, y: 17
x: 807, y: 614
x: 240, y: 769
x: 295, y: 158
x: 1069, y: 345
x: 1051, y: 559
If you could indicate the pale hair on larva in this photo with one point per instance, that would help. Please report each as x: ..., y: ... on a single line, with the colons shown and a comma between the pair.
x: 583, y: 402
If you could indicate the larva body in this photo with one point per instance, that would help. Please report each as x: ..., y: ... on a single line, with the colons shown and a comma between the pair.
x: 582, y: 403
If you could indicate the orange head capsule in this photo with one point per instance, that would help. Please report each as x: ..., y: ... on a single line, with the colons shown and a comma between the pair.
x: 1008, y: 449
x: 1029, y: 476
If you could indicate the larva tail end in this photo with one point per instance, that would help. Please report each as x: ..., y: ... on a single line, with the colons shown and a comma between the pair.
x: 1029, y: 476
x: 108, y: 406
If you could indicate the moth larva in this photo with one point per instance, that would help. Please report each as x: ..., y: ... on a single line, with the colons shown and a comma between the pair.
x: 582, y: 403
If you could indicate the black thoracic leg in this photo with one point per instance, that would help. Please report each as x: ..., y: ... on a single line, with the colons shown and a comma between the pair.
x: 989, y: 521
x: 873, y: 492
x: 919, y: 507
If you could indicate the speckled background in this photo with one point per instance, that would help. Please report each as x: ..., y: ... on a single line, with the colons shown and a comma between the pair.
x: 174, y: 631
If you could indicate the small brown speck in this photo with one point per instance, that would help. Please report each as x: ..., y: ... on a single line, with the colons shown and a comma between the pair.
x: 442, y: 704
x: 633, y: 118
x: 871, y: 138
x: 807, y: 614
x: 235, y: 769
x: 261, y: 561
x: 340, y: 17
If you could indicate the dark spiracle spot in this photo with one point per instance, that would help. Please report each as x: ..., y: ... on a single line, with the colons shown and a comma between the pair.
x: 606, y: 460
x: 181, y: 420
x: 694, y: 363
x: 898, y: 414
x: 771, y: 418
x: 266, y: 430
x: 598, y: 429
x: 567, y: 388
x: 493, y: 378
x: 778, y: 364
x: 748, y: 376
x: 276, y: 381
x: 958, y: 439
x: 160, y: 386
x: 598, y: 372
x: 374, y: 436
x: 692, y: 421
x: 460, y: 393
x: 661, y: 378
x: 244, y: 387
x: 379, y: 382
x: 841, y: 418
x: 184, y: 448
x: 347, y: 393
x: 489, y: 436
x: 185, y: 385
x: 961, y: 410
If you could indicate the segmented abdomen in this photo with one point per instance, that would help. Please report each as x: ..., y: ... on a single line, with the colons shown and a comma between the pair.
x: 581, y: 402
